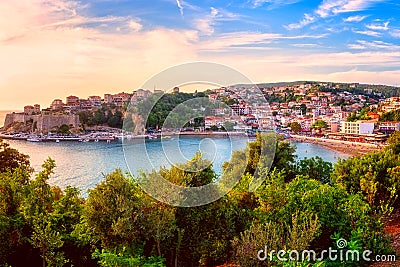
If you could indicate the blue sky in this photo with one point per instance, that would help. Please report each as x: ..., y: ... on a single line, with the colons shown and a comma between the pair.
x: 60, y: 47
x: 334, y: 25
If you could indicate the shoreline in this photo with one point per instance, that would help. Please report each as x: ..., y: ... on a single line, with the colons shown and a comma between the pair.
x: 345, y: 147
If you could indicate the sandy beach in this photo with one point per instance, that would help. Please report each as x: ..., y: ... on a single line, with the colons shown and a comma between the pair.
x: 346, y: 147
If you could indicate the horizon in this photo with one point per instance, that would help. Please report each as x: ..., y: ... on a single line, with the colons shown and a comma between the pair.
x: 70, y: 47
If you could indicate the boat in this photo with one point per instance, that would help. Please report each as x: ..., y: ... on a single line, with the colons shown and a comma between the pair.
x: 33, y: 139
x: 57, y: 140
x: 251, y: 134
x: 151, y: 137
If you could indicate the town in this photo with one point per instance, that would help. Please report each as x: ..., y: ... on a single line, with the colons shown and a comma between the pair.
x: 347, y: 112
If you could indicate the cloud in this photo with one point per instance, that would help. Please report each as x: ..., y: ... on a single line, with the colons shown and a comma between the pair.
x: 305, y: 45
x: 356, y: 46
x: 374, y: 45
x: 377, y: 27
x: 369, y: 33
x: 134, y: 25
x: 179, y: 4
x: 245, y: 40
x: 206, y: 23
x: 54, y: 50
x: 272, y: 4
x: 307, y: 19
x: 334, y: 7
x: 395, y: 33
x: 354, y: 19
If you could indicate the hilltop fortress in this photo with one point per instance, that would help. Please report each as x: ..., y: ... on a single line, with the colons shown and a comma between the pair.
x: 41, y: 122
x: 35, y: 119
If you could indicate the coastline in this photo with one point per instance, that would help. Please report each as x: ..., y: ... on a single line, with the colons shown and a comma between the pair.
x: 345, y: 147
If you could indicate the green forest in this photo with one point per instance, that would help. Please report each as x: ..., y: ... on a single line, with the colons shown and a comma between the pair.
x: 302, y: 204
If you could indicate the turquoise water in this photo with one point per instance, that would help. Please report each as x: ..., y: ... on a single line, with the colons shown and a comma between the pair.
x: 84, y: 165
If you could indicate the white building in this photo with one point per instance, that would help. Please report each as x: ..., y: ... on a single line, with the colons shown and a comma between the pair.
x: 357, y: 127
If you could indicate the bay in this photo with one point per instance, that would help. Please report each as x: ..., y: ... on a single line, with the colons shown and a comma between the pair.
x: 83, y: 165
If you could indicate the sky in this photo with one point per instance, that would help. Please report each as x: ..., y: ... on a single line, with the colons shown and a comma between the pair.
x: 54, y: 48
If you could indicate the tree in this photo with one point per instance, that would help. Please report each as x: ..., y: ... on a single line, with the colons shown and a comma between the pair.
x: 229, y: 126
x: 391, y: 116
x: 316, y: 168
x: 352, y: 117
x: 303, y: 109
x: 64, y: 129
x: 374, y: 175
x: 11, y: 159
x: 99, y: 117
x: 319, y: 124
x: 214, y: 128
x: 112, y: 212
x: 47, y: 240
x: 394, y: 142
x: 115, y: 120
x: 37, y: 210
x: 295, y: 127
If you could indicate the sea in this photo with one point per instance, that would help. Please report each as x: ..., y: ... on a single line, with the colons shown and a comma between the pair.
x: 85, y: 164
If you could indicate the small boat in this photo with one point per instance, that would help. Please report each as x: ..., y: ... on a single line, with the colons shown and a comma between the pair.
x: 57, y: 140
x: 96, y: 140
x: 33, y: 140
x: 108, y: 141
x: 151, y: 137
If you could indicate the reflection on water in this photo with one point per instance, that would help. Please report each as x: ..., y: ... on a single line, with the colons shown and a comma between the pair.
x: 84, y: 165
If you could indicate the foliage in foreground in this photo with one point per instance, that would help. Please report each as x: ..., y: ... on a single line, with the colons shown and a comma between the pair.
x: 300, y: 205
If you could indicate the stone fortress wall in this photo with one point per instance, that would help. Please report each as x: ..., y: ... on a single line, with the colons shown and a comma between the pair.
x: 43, y: 122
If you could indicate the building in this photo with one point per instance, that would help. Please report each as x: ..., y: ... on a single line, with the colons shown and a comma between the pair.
x: 210, y: 121
x: 32, y: 110
x: 389, y: 127
x: 142, y: 94
x: 108, y: 98
x: 334, y: 127
x: 356, y: 127
x: 119, y: 99
x: 85, y: 104
x: 57, y: 104
x: 72, y: 101
x: 367, y: 128
x: 391, y: 104
x: 95, y: 100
